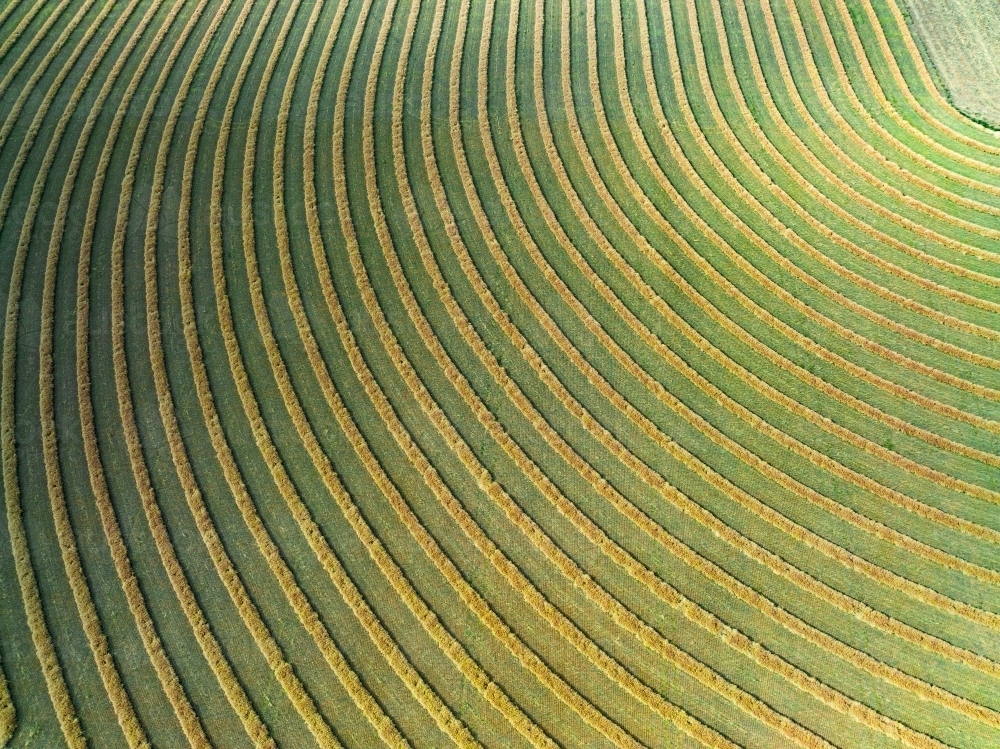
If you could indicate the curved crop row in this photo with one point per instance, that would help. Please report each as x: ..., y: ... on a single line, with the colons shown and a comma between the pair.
x: 528, y: 373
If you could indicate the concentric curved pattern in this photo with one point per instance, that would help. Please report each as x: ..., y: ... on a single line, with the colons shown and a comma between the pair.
x: 578, y: 373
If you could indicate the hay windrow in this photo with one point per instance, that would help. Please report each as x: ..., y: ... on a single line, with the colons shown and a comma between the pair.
x: 27, y: 580
x: 97, y: 639
x: 527, y: 373
x: 216, y: 657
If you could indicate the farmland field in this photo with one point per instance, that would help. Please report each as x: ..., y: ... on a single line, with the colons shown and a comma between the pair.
x: 508, y: 373
x: 963, y: 41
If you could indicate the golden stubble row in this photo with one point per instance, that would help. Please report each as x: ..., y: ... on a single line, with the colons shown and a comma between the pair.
x: 903, y: 392
x: 863, y: 407
x: 508, y: 327
x: 590, y: 531
x: 892, y: 217
x: 380, y: 636
x: 656, y: 387
x: 869, y: 615
x: 571, y: 121
x: 719, y: 576
x: 905, y: 176
x: 45, y: 650
x: 823, y: 422
x: 209, y: 644
x: 8, y: 713
x: 29, y: 47
x: 299, y: 602
x: 97, y: 640
x: 25, y: 20
x: 269, y: 648
x: 903, y: 87
x: 794, y: 138
x: 611, y: 606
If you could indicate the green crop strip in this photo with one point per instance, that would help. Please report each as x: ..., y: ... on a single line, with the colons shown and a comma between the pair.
x: 517, y: 373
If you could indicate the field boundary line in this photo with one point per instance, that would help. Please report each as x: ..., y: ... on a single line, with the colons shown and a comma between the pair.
x: 709, y: 348
x: 878, y: 91
x: 830, y: 107
x: 802, y: 110
x: 823, y: 422
x: 877, y: 208
x: 932, y: 89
